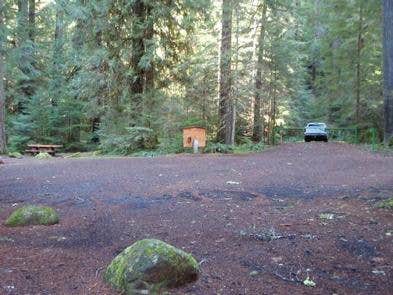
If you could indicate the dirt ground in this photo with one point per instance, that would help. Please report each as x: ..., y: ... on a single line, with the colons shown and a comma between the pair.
x: 258, y: 224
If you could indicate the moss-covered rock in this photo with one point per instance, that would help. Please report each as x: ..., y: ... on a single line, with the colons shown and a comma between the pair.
x: 31, y: 215
x: 42, y: 156
x: 16, y: 155
x: 151, y: 266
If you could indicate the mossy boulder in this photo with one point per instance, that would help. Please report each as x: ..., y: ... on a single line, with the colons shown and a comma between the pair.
x: 151, y: 266
x: 32, y: 215
x: 42, y: 156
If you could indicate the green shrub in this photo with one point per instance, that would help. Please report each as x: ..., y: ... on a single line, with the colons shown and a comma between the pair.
x: 171, y: 145
x: 147, y: 154
x: 249, y: 147
x: 128, y: 140
x: 219, y: 148
x: 386, y: 204
x: 16, y: 155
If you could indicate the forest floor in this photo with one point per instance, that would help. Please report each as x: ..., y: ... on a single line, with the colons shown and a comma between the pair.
x: 258, y: 223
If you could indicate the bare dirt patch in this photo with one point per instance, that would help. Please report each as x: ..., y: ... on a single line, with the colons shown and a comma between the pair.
x: 258, y: 224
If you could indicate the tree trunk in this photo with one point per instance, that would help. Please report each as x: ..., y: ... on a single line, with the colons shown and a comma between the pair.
x: 57, y: 58
x: 22, y: 21
x: 138, y: 50
x: 78, y: 43
x: 148, y: 45
x: 3, y: 148
x: 58, y: 42
x: 25, y: 88
x: 77, y: 38
x: 226, y: 106
x: 147, y: 74
x: 358, y: 63
x: 388, y: 69
x: 32, y: 20
x: 274, y: 104
x: 258, y: 120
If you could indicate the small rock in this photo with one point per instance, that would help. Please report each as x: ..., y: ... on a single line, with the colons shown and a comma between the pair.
x: 378, y: 260
x: 9, y: 288
x: 243, y: 233
x: 326, y: 216
x: 254, y: 273
x: 277, y: 259
x: 57, y: 238
x: 230, y: 182
x: 6, y: 270
x: 378, y: 272
x: 309, y: 283
x: 4, y: 239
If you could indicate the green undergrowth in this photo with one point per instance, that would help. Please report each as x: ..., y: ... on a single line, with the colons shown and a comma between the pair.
x: 386, y: 204
x: 379, y: 148
x: 175, y: 146
x: 16, y: 155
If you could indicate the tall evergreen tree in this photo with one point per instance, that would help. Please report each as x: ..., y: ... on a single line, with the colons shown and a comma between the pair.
x: 226, y: 104
x: 388, y: 69
x: 258, y: 120
x: 2, y: 75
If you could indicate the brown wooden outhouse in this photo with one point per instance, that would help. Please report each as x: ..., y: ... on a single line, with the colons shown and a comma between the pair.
x: 192, y: 133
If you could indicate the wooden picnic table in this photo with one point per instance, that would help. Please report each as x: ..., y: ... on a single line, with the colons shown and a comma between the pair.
x: 43, y: 148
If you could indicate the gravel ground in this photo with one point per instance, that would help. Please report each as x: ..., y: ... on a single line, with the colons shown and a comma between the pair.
x: 258, y: 223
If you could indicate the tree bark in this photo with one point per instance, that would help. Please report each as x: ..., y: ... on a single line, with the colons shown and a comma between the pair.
x: 137, y: 51
x: 22, y: 21
x: 148, y: 73
x: 358, y: 63
x: 3, y: 146
x: 32, y: 20
x: 388, y: 69
x: 78, y: 43
x: 258, y: 120
x: 226, y: 105
x: 25, y: 85
x: 57, y: 58
x: 77, y: 38
x: 148, y: 45
x: 274, y: 104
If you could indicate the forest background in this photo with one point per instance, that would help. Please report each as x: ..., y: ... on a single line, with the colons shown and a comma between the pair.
x: 126, y: 75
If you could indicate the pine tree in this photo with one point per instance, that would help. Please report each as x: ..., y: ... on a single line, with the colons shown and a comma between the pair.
x: 3, y: 148
x: 388, y: 69
x: 258, y: 124
x: 226, y: 105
